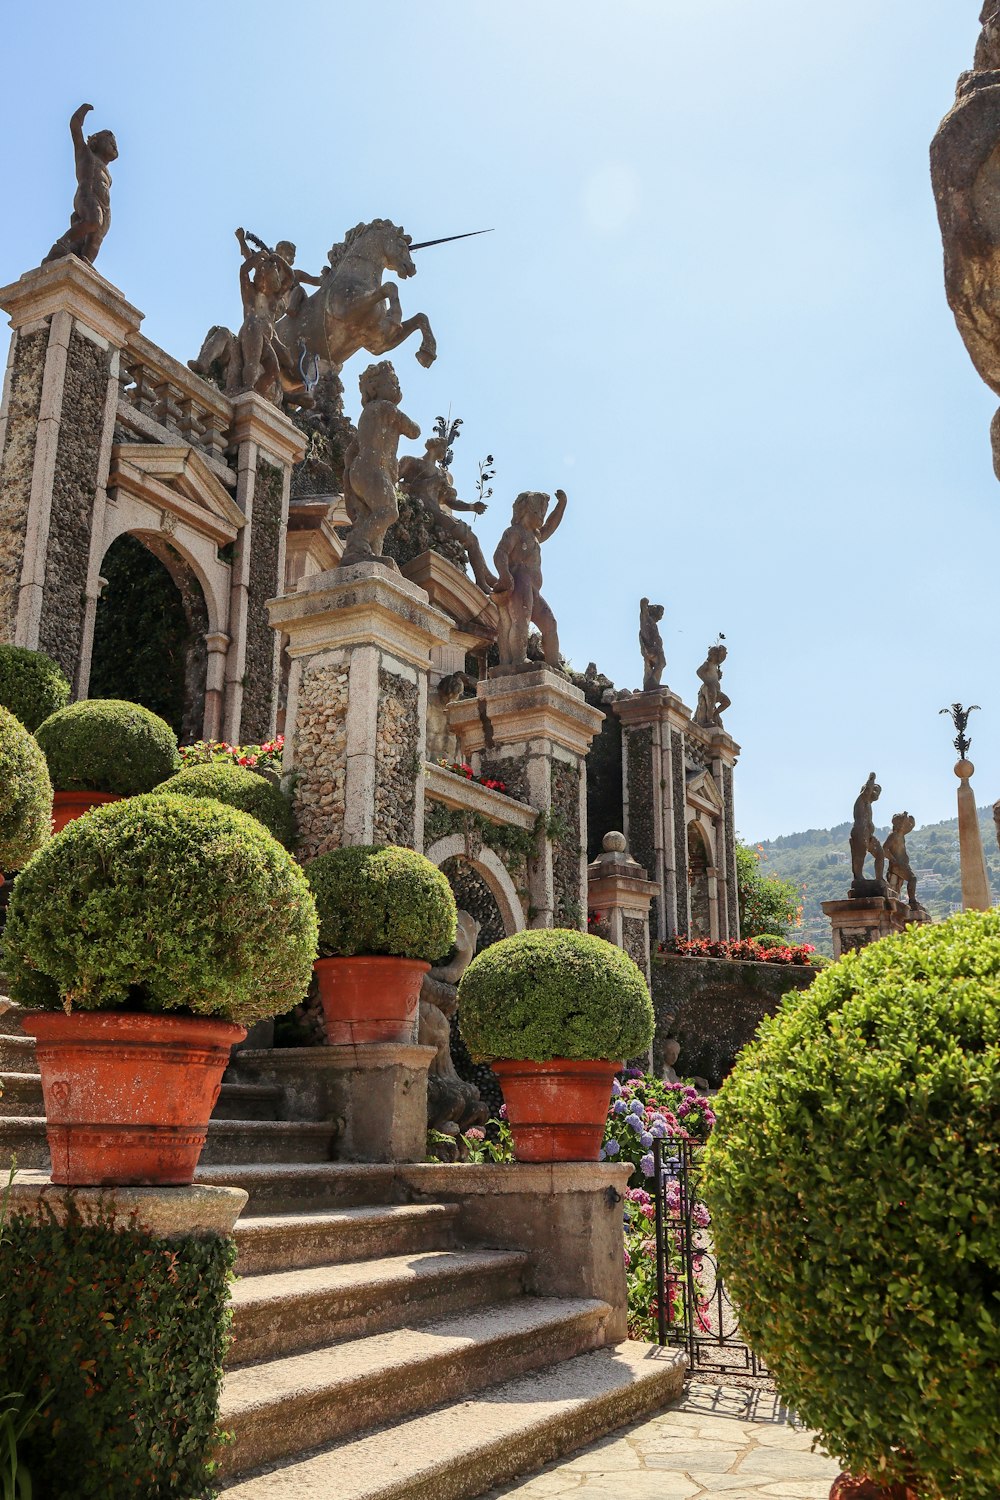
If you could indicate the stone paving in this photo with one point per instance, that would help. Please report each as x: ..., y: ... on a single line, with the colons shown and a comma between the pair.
x: 738, y: 1444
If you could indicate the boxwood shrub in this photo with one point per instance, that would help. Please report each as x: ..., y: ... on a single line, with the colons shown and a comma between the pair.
x: 120, y: 1337
x: 852, y: 1181
x: 32, y: 685
x: 25, y: 794
x: 555, y: 993
x: 159, y: 904
x: 381, y: 900
x: 107, y: 745
x: 251, y: 793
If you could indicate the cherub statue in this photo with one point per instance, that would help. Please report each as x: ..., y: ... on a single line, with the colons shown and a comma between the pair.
x: 518, y: 560
x: 91, y: 217
x: 452, y: 1104
x: 863, y: 840
x: 371, y: 467
x: 712, y: 701
x: 427, y: 480
x: 651, y: 644
x: 899, y: 871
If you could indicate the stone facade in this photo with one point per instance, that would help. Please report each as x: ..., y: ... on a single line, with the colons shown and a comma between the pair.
x: 564, y: 833
x: 681, y: 903
x: 24, y: 394
x: 321, y: 766
x: 260, y: 666
x: 399, y: 759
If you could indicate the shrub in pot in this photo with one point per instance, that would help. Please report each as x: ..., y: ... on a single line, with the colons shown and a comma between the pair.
x: 236, y: 787
x: 852, y: 1180
x: 102, y: 749
x: 385, y: 915
x: 32, y: 685
x: 147, y: 936
x: 25, y: 794
x: 556, y: 1012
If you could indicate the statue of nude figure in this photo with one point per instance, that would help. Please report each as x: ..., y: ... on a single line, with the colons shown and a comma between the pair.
x: 900, y: 872
x: 712, y: 701
x: 91, y: 217
x: 518, y: 561
x: 424, y: 479
x: 371, y: 467
x: 863, y: 840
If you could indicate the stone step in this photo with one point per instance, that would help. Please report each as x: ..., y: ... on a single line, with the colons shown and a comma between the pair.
x: 291, y: 1187
x: 283, y: 1312
x: 288, y: 1242
x: 229, y: 1142
x: 458, y: 1451
x: 248, y: 1101
x: 10, y: 1017
x: 21, y: 1094
x: 17, y: 1053
x: 289, y: 1405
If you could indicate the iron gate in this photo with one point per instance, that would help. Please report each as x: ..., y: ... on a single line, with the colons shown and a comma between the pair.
x: 694, y: 1308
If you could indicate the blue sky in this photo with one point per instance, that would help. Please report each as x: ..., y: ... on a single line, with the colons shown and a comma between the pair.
x: 712, y: 311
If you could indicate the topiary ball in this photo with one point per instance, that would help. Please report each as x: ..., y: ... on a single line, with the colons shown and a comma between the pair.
x: 236, y: 787
x: 32, y: 685
x: 107, y: 745
x: 555, y: 993
x: 852, y: 1180
x: 161, y: 904
x: 382, y: 900
x: 25, y: 794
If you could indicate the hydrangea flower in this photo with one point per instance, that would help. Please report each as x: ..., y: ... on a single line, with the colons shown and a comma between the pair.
x: 616, y: 1089
x: 645, y: 1140
x: 619, y: 1107
x: 636, y: 1108
x: 612, y: 1148
x: 646, y: 1164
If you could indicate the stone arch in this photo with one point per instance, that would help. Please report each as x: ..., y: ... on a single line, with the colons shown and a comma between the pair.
x: 491, y: 869
x: 199, y: 554
x: 699, y: 885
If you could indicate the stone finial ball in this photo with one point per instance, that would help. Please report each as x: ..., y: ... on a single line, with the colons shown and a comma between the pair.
x: 964, y: 769
x: 614, y: 843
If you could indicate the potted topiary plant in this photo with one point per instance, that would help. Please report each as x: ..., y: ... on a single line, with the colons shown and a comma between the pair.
x: 146, y: 937
x: 852, y: 1182
x: 32, y: 685
x: 556, y: 1012
x: 385, y: 915
x: 252, y: 794
x: 103, y: 749
x: 25, y: 795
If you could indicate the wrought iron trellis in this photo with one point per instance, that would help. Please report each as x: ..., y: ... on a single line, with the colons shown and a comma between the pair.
x: 694, y: 1308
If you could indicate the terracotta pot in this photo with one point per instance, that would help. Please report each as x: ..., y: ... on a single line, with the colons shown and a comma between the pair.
x: 368, y: 999
x: 69, y: 805
x: 127, y: 1095
x: 557, y: 1110
x: 847, y: 1487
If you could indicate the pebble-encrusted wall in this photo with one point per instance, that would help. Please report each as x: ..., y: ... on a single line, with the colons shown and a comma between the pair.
x: 634, y: 941
x: 732, y: 888
x: 642, y: 805
x: 74, y: 487
x: 398, y: 763
x: 265, y: 541
x: 565, y: 832
x: 318, y: 795
x: 17, y: 466
x: 512, y: 770
x: 680, y: 830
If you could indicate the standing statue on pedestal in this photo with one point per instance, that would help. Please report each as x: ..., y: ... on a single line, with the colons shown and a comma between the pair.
x: 712, y: 701
x: 651, y: 644
x: 863, y: 840
x: 428, y: 481
x: 518, y: 561
x: 452, y: 1104
x: 899, y: 873
x: 371, y: 468
x: 91, y: 217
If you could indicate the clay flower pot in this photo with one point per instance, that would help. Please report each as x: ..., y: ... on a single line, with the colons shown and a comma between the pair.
x: 128, y: 1095
x: 557, y: 1110
x: 69, y: 805
x: 847, y: 1487
x: 369, y: 999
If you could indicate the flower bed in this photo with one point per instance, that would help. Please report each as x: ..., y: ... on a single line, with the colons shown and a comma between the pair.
x: 463, y: 769
x: 740, y: 950
x: 254, y: 757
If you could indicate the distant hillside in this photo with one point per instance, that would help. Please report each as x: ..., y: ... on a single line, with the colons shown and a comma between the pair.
x: 819, y: 862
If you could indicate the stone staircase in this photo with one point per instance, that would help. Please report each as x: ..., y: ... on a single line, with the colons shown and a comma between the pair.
x: 376, y: 1354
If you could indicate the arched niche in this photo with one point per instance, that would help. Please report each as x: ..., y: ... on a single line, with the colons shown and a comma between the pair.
x: 699, y: 884
x: 491, y: 870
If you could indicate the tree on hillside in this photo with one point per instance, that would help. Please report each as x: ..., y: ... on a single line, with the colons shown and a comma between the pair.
x: 767, y: 903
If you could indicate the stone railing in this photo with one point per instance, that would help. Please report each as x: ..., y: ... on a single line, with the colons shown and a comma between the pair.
x: 470, y: 796
x: 163, y: 400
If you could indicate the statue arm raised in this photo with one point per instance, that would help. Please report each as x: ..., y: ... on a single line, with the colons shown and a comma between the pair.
x: 555, y: 517
x: 80, y: 147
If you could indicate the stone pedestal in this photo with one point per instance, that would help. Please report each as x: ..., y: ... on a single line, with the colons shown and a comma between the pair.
x: 619, y: 897
x: 861, y: 920
x: 976, y: 894
x: 360, y: 642
x: 532, y: 731
x: 679, y: 816
x: 169, y: 1213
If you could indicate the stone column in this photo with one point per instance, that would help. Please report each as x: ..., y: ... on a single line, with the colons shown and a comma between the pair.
x: 653, y: 792
x: 267, y: 445
x: 56, y: 433
x: 360, y: 642
x: 217, y: 644
x: 617, y: 890
x: 976, y: 894
x: 532, y: 730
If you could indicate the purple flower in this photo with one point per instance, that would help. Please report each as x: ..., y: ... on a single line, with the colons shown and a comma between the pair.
x: 611, y: 1148
x: 619, y: 1107
x: 636, y: 1123
x: 616, y: 1089
x: 645, y: 1140
x: 646, y: 1165
x: 503, y: 1111
x: 635, y: 1108
x: 600, y: 1155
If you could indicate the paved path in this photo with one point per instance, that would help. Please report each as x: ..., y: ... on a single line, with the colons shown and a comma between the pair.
x: 737, y: 1444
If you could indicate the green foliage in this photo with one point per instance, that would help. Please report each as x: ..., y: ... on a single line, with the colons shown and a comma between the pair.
x: 555, y: 993
x: 852, y: 1182
x: 513, y: 845
x: 382, y: 899
x: 25, y: 794
x: 120, y: 1337
x: 234, y: 786
x: 162, y: 903
x: 107, y: 745
x: 767, y: 904
x: 32, y: 685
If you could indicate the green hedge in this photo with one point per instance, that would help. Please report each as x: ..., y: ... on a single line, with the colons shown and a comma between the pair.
x: 121, y: 1337
x: 555, y: 993
x: 237, y: 787
x: 32, y: 685
x: 852, y: 1180
x: 382, y: 900
x: 158, y: 904
x: 107, y: 745
x: 25, y: 794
